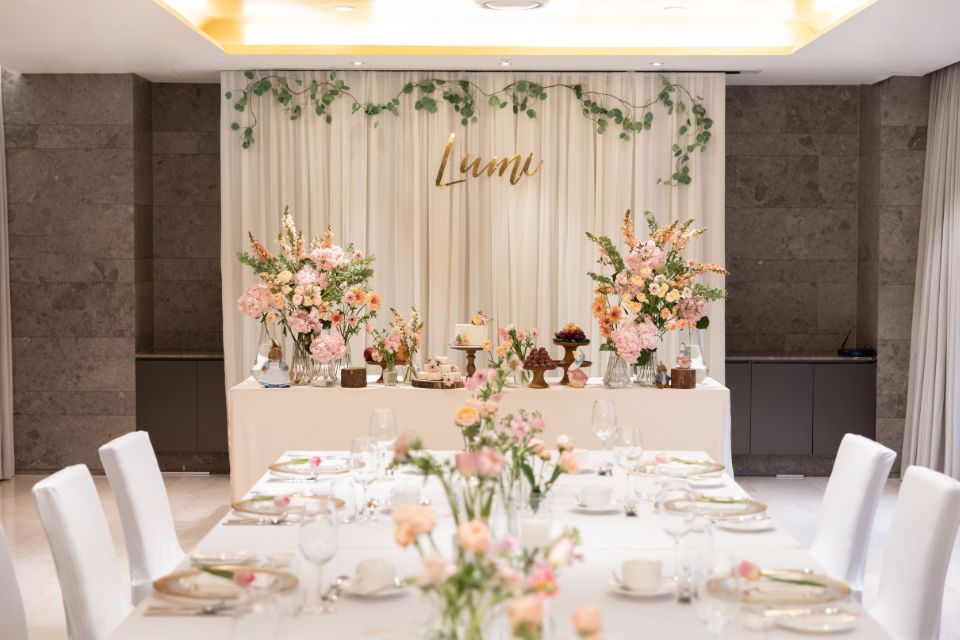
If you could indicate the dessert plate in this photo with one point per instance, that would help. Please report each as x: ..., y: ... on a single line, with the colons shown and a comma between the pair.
x: 260, y: 506
x: 301, y: 468
x: 819, y: 623
x: 196, y: 584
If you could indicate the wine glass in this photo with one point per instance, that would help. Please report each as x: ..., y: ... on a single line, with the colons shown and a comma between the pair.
x: 675, y: 515
x: 318, y: 544
x: 717, y: 598
x: 365, y: 468
x: 383, y: 428
x: 604, y: 426
x: 628, y: 452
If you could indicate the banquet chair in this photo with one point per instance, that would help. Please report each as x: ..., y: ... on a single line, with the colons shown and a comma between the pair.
x: 94, y: 597
x: 11, y: 604
x: 148, y: 531
x: 925, y: 523
x: 850, y: 502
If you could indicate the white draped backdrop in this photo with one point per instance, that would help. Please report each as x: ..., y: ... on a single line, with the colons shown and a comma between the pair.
x: 932, y: 430
x: 516, y: 252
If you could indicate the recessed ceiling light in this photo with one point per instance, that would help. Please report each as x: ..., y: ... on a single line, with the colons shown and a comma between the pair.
x: 357, y: 63
x: 656, y: 64
x: 512, y: 5
x: 343, y: 9
x: 505, y: 62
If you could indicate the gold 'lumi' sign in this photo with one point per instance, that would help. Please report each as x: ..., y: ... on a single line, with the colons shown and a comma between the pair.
x: 500, y: 166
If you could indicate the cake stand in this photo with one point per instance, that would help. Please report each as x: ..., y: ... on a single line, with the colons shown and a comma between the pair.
x: 539, y: 382
x: 471, y: 351
x: 568, y: 350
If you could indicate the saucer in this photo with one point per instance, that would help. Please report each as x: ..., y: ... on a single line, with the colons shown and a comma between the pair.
x: 745, y: 526
x: 666, y: 588
x: 819, y: 623
x: 387, y: 592
x: 613, y: 507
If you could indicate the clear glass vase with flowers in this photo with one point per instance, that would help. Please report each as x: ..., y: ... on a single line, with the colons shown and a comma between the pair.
x: 411, y: 339
x: 652, y: 290
x: 385, y: 348
x: 512, y: 351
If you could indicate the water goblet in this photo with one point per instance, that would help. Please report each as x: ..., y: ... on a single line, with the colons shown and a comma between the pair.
x: 717, y: 598
x: 318, y: 536
x: 675, y: 515
x: 604, y: 426
x: 628, y: 452
x: 365, y: 469
x: 383, y: 428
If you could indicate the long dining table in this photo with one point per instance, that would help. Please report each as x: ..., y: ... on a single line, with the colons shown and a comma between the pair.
x: 607, y: 540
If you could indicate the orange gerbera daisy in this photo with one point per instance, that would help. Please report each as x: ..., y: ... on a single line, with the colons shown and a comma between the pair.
x: 373, y: 300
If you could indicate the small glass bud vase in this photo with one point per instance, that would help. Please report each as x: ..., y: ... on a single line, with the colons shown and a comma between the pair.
x: 390, y: 375
x: 618, y: 373
x: 647, y: 370
x: 325, y: 374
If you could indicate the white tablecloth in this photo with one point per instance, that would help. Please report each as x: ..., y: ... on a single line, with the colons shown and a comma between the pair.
x: 266, y: 422
x: 607, y: 541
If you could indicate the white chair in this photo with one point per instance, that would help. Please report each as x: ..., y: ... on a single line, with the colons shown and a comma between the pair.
x: 910, y: 594
x: 152, y: 546
x: 94, y: 597
x: 11, y: 605
x: 849, y: 505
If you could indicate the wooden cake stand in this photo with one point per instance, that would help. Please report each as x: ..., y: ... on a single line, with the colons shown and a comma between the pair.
x: 568, y: 350
x: 471, y: 351
x: 435, y: 384
x: 538, y: 381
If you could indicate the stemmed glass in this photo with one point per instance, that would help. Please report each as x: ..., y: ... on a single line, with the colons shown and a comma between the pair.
x: 628, y: 452
x: 318, y: 544
x: 604, y: 426
x: 675, y: 515
x: 365, y: 468
x: 717, y: 598
x: 383, y: 428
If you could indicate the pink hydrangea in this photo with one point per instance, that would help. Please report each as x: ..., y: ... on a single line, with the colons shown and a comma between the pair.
x: 255, y: 301
x: 327, y: 348
x: 328, y: 258
x: 631, y: 339
x: 693, y: 308
x: 300, y: 321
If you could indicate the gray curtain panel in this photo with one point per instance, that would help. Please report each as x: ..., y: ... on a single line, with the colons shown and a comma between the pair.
x: 932, y: 430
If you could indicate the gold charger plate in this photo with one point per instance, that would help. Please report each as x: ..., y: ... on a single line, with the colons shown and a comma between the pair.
x: 717, y: 507
x: 301, y: 467
x: 771, y: 590
x: 196, y: 584
x: 683, y: 469
x: 264, y: 506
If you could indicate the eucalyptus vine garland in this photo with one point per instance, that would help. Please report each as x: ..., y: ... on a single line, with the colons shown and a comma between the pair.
x: 605, y: 109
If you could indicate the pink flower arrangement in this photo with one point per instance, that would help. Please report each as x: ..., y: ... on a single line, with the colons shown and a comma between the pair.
x: 632, y: 339
x: 543, y: 580
x: 327, y: 348
x: 486, y: 462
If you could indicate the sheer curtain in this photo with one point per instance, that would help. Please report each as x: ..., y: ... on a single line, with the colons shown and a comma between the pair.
x: 6, y: 342
x: 516, y: 252
x: 932, y: 430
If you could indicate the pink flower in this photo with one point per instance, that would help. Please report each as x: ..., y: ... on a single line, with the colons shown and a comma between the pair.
x: 436, y: 571
x: 693, y: 308
x: 543, y: 580
x: 526, y: 616
x: 568, y: 462
x: 300, y: 321
x: 419, y: 518
x: 327, y: 348
x: 358, y: 255
x: 244, y: 578
x: 473, y: 536
x: 503, y: 333
x: 561, y: 552
x: 466, y: 463
x: 587, y: 621
x: 328, y: 258
x: 315, y: 461
x: 432, y: 366
x: 401, y: 448
x: 306, y: 276
x: 748, y: 571
x: 489, y: 462
x: 534, y: 333
x: 507, y: 544
x: 281, y: 501
x: 631, y: 339
x: 564, y: 443
x: 475, y: 381
x: 538, y: 425
x: 255, y: 301
x: 663, y: 458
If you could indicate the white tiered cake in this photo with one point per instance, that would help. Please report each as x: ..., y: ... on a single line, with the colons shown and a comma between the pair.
x: 470, y: 335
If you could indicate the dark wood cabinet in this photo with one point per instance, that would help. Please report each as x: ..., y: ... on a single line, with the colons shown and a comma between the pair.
x: 738, y: 380
x: 182, y: 404
x: 844, y: 401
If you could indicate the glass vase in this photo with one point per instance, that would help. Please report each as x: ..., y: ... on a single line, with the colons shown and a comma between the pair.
x: 617, y: 375
x: 410, y: 371
x: 268, y: 337
x: 302, y: 365
x: 345, y: 360
x: 647, y: 369
x: 325, y: 374
x: 485, y: 620
x: 390, y: 375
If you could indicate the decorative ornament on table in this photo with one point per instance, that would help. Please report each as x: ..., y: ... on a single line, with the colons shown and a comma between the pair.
x: 651, y: 291
x: 438, y: 373
x: 576, y: 376
x: 275, y: 374
x: 570, y: 337
x: 682, y: 376
x: 304, y: 291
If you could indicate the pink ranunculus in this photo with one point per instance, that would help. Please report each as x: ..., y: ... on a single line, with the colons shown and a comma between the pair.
x: 473, y: 536
x: 244, y: 578
x: 663, y: 458
x: 748, y: 571
x: 281, y: 501
x: 587, y: 621
x: 315, y: 461
x: 436, y: 571
x: 327, y: 347
x: 543, y: 580
x: 526, y: 615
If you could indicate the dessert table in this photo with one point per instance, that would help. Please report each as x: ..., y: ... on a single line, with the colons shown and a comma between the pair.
x: 607, y: 540
x: 263, y: 423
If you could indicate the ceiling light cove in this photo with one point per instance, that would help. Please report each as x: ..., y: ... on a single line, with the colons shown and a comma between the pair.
x: 513, y: 28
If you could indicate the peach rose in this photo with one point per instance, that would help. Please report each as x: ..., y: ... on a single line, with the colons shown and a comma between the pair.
x: 587, y: 621
x: 525, y: 614
x: 473, y: 536
x: 568, y: 462
x: 436, y: 571
x: 419, y: 518
x: 467, y: 416
x: 564, y: 443
x: 403, y: 535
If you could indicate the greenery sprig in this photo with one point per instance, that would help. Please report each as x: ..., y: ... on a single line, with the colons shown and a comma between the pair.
x: 298, y: 97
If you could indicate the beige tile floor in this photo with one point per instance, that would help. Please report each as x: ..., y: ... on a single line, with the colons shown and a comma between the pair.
x: 198, y: 502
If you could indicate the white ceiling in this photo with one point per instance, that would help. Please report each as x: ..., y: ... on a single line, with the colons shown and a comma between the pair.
x: 891, y: 37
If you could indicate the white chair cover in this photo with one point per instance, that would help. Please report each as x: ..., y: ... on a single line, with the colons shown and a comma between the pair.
x: 11, y: 605
x: 915, y: 562
x: 93, y: 594
x: 152, y: 546
x: 849, y: 505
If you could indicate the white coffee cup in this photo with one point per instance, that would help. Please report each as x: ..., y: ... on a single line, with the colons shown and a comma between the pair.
x: 373, y: 574
x: 404, y: 494
x: 595, y: 496
x: 641, y: 575
x: 535, y: 531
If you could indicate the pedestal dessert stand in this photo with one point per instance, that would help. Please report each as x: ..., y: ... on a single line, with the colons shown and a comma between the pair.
x: 471, y: 351
x: 539, y: 382
x: 569, y: 348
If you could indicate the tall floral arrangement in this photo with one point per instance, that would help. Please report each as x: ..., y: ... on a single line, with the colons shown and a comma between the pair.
x: 305, y: 290
x: 652, y: 289
x: 409, y: 330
